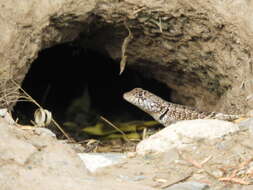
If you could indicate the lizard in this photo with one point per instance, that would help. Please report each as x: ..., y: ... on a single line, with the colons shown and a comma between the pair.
x: 166, y: 112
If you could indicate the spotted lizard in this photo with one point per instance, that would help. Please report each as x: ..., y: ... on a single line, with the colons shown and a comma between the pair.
x: 166, y: 112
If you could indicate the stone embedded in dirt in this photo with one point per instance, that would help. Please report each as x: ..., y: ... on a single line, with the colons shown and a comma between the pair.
x: 6, y: 116
x: 44, y: 132
x: 95, y: 161
x: 184, y: 133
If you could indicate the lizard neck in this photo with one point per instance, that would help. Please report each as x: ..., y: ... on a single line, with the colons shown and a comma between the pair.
x: 149, y: 103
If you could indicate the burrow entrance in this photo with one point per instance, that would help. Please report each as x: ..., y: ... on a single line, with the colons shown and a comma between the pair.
x: 79, y: 85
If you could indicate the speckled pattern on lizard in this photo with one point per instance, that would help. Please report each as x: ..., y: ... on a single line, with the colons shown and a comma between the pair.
x: 166, y: 112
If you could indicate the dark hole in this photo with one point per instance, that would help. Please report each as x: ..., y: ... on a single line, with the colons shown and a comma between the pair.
x: 63, y: 73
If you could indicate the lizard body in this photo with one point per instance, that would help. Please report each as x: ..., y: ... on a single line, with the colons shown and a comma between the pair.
x: 166, y: 112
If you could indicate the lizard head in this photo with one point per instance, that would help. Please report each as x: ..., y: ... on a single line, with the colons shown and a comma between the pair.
x: 143, y: 99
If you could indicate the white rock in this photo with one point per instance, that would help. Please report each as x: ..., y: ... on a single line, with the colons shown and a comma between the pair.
x: 184, y: 133
x: 44, y: 132
x: 94, y: 161
x: 3, y: 112
x: 7, y: 116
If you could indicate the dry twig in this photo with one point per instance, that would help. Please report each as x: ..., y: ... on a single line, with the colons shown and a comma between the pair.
x: 27, y: 97
x: 123, y: 49
x: 115, y: 127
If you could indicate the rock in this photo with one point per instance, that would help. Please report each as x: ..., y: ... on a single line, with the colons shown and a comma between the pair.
x: 35, y: 159
x: 12, y: 147
x: 44, y: 132
x: 189, y: 186
x: 7, y: 116
x: 184, y: 133
x: 95, y: 161
x: 31, y: 161
x: 246, y: 124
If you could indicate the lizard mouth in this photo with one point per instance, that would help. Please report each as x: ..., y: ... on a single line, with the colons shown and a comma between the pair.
x: 143, y: 99
x: 126, y: 96
x: 134, y: 96
x: 129, y: 98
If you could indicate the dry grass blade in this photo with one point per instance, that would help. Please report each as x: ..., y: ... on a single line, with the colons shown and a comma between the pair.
x: 111, y: 124
x: 30, y: 99
x: 144, y: 133
x: 184, y: 178
x: 123, y: 50
x: 235, y: 177
x: 9, y: 93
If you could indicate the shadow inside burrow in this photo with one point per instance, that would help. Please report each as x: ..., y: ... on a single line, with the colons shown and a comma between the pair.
x: 80, y: 85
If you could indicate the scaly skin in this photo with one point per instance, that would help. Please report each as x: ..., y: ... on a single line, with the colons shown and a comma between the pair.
x: 167, y: 112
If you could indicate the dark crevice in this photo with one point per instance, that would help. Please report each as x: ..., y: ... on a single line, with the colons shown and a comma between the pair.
x: 65, y: 72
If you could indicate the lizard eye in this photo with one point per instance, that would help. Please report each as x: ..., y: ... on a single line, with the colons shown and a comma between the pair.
x: 139, y: 94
